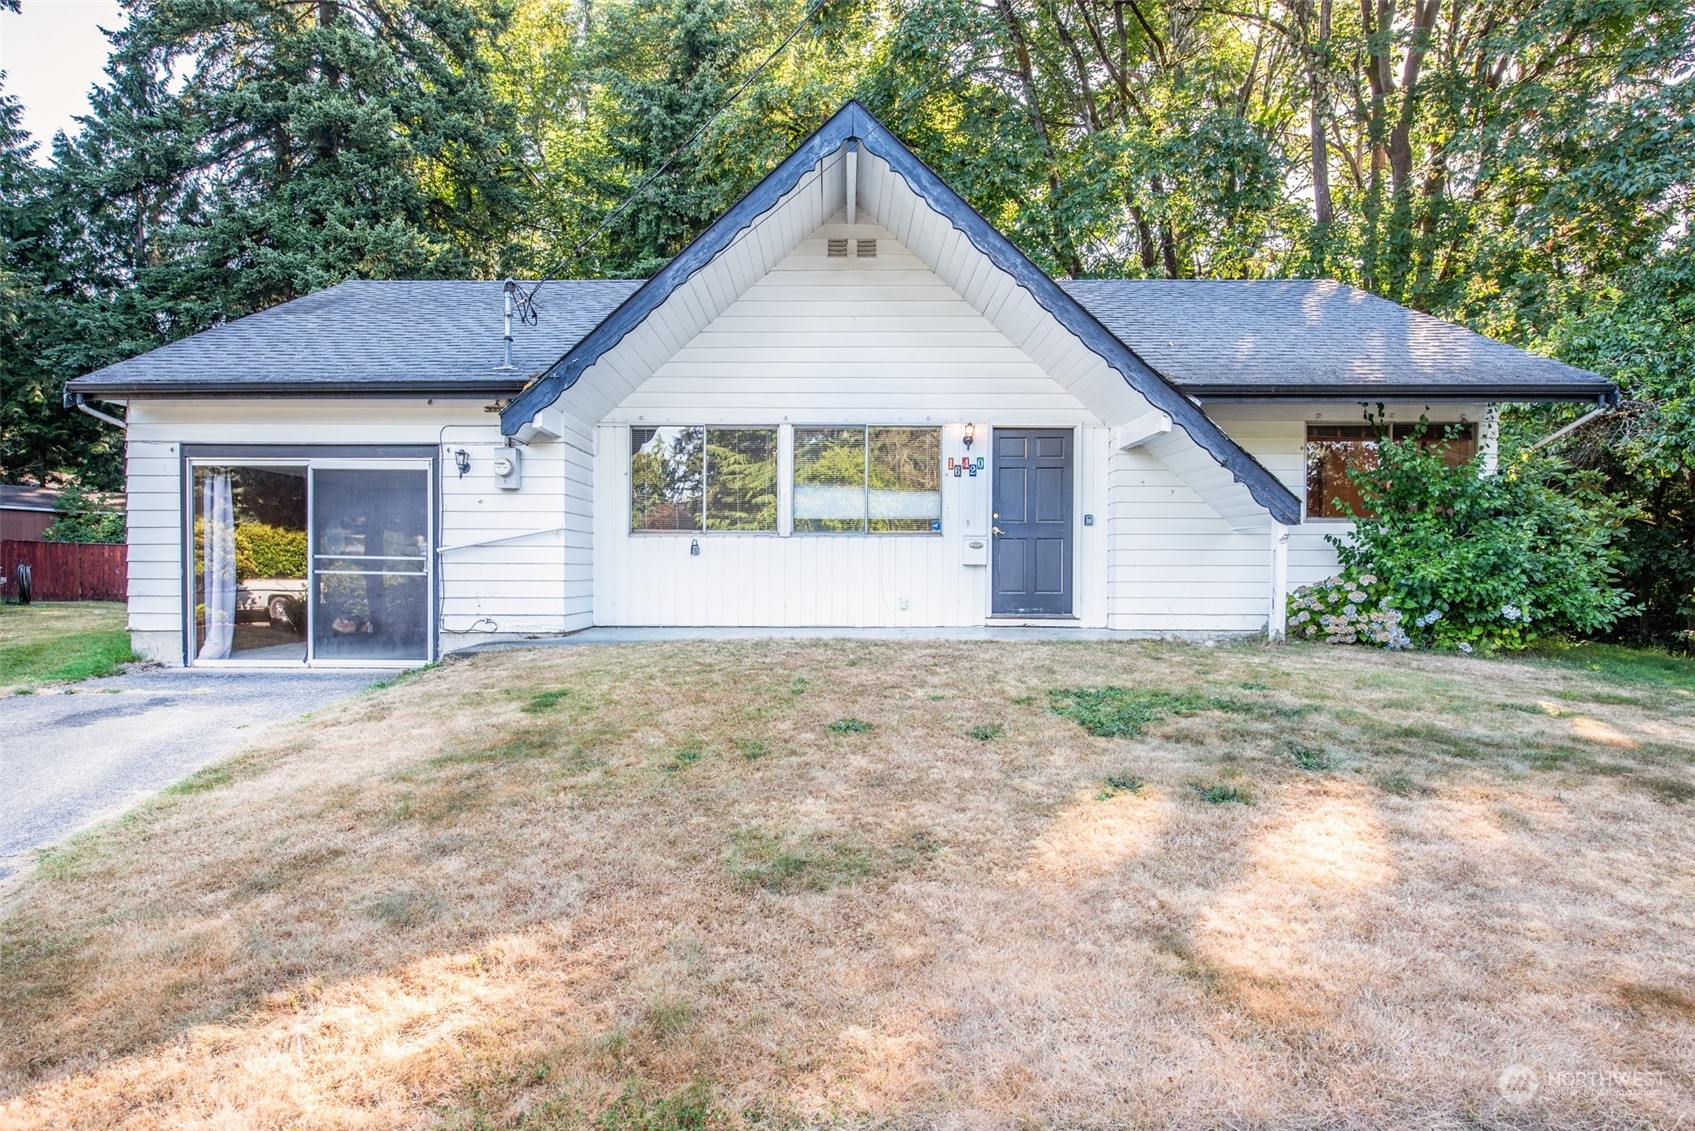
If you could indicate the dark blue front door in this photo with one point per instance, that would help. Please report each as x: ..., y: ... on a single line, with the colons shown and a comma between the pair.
x: 1032, y: 522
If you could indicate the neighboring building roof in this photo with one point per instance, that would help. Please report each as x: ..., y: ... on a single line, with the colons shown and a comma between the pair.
x: 1298, y: 339
x: 26, y: 498
x: 435, y: 338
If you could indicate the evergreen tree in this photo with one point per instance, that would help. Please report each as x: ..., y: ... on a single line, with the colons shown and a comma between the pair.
x: 40, y: 441
x: 303, y: 145
x: 668, y: 66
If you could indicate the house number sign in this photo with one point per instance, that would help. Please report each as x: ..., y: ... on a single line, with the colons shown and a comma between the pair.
x: 961, y: 465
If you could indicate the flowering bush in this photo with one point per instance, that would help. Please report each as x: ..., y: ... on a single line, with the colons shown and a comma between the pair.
x: 1484, y: 562
x: 1347, y: 610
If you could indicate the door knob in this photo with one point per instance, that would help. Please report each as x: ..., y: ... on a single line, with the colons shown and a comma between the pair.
x: 997, y: 531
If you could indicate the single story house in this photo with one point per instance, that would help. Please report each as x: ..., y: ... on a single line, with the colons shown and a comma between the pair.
x: 850, y: 402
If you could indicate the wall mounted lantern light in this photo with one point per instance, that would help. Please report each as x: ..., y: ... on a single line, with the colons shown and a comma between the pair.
x: 970, y: 435
x: 462, y: 461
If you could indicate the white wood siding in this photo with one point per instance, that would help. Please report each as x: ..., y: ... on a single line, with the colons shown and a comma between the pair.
x: 1175, y: 566
x: 822, y: 341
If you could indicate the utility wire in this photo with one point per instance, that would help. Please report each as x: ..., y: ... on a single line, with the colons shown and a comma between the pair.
x: 525, y: 300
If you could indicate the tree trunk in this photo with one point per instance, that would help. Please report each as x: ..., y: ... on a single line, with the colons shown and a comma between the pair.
x: 1323, y: 206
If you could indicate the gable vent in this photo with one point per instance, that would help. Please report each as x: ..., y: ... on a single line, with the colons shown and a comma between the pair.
x: 867, y: 249
x: 838, y: 249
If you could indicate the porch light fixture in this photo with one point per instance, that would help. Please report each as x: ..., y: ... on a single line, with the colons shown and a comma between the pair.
x: 462, y: 460
x: 970, y: 435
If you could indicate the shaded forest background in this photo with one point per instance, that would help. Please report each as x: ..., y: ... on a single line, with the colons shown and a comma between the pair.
x: 1520, y: 166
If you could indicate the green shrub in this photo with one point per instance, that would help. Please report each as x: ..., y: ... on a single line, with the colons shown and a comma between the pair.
x: 82, y: 519
x: 262, y: 550
x: 1483, y: 562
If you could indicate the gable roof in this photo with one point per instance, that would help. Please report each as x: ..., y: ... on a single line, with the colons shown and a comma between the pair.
x: 1298, y: 339
x: 854, y: 124
x: 435, y: 338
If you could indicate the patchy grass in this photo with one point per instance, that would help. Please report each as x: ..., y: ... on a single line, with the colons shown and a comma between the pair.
x: 986, y: 732
x: 1121, y: 782
x: 1616, y: 664
x: 850, y: 726
x: 1121, y: 712
x: 1307, y: 758
x: 61, y: 642
x: 1223, y: 794
x: 676, y: 896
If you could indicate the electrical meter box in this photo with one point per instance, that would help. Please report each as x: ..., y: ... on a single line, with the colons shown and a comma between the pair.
x: 508, y: 469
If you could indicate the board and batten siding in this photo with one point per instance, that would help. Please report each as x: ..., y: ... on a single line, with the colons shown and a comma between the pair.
x: 531, y: 574
x: 817, y: 342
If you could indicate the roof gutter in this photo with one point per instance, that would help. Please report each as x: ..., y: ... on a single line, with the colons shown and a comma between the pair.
x: 482, y: 389
x: 1602, y: 394
x: 80, y: 403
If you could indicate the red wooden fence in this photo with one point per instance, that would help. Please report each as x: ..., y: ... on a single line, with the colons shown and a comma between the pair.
x: 68, y: 571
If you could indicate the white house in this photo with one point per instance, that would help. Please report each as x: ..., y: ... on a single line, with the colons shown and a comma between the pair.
x: 850, y: 402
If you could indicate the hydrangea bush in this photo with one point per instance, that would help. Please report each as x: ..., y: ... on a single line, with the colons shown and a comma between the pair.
x: 1468, y: 562
x: 1347, y: 610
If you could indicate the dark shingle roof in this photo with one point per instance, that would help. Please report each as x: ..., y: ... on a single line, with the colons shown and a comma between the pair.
x: 27, y: 498
x: 1300, y: 338
x: 1294, y: 338
x: 436, y: 338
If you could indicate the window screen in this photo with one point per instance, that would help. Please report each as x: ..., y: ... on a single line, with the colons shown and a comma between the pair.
x: 867, y: 479
x: 703, y: 479
x: 1335, y: 449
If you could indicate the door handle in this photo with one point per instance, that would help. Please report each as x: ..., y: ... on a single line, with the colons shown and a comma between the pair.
x: 996, y: 531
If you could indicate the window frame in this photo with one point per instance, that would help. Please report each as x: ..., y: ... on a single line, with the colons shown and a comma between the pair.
x: 785, y: 449
x: 1398, y: 430
x: 702, y: 530
x: 865, y: 531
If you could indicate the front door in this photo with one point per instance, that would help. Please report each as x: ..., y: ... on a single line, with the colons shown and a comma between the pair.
x: 1032, y: 522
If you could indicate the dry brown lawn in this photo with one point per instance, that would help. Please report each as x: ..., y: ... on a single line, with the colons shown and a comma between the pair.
x: 673, y: 886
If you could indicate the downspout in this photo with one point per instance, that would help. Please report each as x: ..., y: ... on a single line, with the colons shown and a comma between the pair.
x: 1572, y: 427
x: 79, y: 402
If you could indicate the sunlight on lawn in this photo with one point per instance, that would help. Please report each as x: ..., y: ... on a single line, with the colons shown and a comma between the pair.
x: 656, y: 887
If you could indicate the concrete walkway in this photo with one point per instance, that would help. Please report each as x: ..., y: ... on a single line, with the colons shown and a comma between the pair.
x: 70, y: 757
x: 979, y: 632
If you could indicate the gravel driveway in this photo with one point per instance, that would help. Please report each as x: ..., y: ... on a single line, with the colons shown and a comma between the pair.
x: 70, y: 757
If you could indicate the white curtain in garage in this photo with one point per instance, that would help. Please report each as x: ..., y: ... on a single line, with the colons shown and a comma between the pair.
x: 217, y: 516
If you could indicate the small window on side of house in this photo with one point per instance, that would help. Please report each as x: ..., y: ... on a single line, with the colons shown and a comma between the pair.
x: 1335, y: 449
